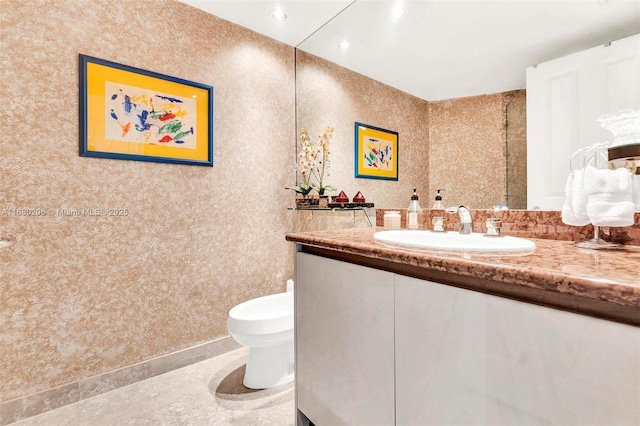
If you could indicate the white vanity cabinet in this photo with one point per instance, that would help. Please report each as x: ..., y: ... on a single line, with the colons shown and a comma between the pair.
x: 377, y: 348
x: 344, y: 342
x: 469, y: 358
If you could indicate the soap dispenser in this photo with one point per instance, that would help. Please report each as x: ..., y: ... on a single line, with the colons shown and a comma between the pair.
x: 437, y: 204
x: 415, y: 216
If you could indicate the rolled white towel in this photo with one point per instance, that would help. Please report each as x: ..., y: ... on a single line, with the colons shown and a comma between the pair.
x: 609, y: 196
x: 579, y: 197
x: 636, y: 191
x: 569, y: 215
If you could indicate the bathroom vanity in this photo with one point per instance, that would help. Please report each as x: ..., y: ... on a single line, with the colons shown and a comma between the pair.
x: 387, y: 335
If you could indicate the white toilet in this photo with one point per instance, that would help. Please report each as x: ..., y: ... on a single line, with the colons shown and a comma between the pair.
x: 265, y: 325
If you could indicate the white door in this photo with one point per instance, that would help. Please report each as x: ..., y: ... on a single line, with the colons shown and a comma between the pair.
x: 565, y: 96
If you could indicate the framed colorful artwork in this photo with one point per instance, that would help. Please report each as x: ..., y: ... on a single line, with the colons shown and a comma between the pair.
x: 128, y: 113
x: 376, y: 152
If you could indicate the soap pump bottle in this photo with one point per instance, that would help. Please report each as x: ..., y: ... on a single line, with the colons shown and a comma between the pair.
x: 437, y: 204
x: 415, y: 216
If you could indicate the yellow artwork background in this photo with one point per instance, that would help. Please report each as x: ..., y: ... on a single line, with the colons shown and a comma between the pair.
x: 96, y: 76
x: 364, y: 133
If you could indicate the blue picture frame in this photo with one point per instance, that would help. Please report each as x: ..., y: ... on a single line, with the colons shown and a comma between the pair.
x: 376, y: 152
x: 128, y: 113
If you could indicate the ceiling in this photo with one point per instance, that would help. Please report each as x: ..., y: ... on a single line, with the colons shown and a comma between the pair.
x: 439, y: 49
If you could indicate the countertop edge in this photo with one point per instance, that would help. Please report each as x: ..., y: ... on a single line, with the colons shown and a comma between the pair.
x: 589, y: 296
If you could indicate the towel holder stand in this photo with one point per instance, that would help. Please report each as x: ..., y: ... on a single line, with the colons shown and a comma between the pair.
x: 623, y: 152
x: 594, y: 155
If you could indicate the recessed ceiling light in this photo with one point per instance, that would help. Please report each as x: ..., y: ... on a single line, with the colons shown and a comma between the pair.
x: 279, y: 15
x: 398, y: 11
x: 344, y: 45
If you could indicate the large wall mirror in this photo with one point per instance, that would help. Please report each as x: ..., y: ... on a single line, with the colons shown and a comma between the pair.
x: 439, y: 52
x: 443, y: 50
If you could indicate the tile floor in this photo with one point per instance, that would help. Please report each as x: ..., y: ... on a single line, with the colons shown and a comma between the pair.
x: 207, y: 393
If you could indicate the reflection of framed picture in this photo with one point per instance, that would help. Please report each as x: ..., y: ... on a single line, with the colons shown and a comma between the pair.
x: 376, y: 152
x: 131, y: 114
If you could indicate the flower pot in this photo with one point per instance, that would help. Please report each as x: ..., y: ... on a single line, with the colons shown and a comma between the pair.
x: 306, y: 201
x: 323, y: 201
x: 302, y: 201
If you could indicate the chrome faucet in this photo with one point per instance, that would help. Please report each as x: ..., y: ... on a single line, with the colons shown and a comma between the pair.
x: 466, y: 225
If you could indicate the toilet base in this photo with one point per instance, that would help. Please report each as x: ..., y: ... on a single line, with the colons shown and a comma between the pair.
x: 269, y: 366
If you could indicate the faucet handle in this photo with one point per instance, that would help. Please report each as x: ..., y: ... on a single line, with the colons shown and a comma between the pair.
x: 493, y: 227
x: 438, y: 224
x: 466, y: 225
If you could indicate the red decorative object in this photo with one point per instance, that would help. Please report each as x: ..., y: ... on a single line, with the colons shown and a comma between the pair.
x: 358, y: 198
x: 342, y: 198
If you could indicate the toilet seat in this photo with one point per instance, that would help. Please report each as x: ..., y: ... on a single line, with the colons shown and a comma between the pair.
x: 263, y: 315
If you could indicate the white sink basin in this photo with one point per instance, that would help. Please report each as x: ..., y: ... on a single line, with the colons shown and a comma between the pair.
x: 454, y: 241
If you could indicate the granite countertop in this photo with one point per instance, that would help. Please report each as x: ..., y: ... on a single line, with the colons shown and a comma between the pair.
x: 601, y: 283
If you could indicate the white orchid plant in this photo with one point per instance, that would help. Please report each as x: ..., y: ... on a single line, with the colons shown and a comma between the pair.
x: 314, y: 162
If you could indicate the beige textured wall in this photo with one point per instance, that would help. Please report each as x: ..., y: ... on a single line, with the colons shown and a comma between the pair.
x: 467, y: 150
x: 328, y: 94
x: 84, y: 295
x: 517, y: 149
